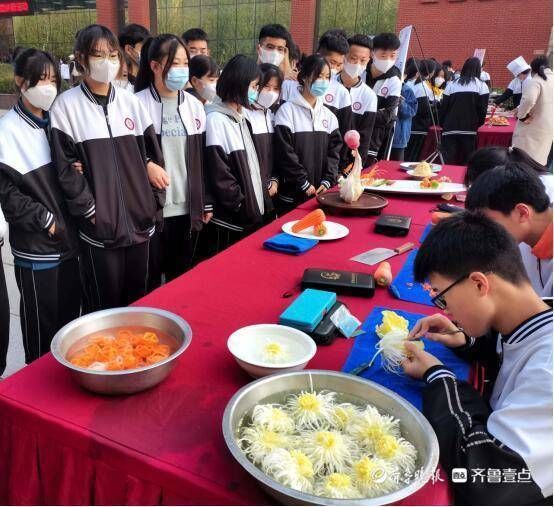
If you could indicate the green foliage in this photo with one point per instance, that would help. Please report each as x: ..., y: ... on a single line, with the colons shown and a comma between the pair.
x: 6, y: 78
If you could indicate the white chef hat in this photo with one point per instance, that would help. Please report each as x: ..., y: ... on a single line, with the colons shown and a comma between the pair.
x: 518, y: 66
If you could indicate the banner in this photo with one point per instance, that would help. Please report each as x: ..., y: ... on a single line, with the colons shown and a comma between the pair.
x: 480, y: 53
x: 404, y: 36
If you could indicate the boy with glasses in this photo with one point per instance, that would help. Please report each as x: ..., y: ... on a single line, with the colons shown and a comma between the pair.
x: 479, y: 281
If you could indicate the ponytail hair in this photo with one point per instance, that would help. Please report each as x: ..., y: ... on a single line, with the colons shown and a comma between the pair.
x: 538, y: 65
x: 156, y: 49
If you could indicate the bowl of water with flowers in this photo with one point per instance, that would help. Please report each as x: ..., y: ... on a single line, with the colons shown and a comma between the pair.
x: 266, y: 349
x: 318, y: 437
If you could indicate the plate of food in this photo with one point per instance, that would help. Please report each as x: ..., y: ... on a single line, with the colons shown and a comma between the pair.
x: 497, y: 121
x: 315, y: 226
x: 421, y: 168
x: 427, y: 186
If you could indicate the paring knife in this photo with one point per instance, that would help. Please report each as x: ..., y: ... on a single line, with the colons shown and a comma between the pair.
x: 378, y: 255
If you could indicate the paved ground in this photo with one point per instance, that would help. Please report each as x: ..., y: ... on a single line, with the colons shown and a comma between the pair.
x: 16, y: 358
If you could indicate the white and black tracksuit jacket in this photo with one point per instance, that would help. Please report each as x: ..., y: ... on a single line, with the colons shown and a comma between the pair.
x: 388, y: 89
x: 514, y: 90
x: 113, y: 143
x: 508, y: 434
x: 364, y: 110
x: 307, y: 148
x: 464, y: 107
x: 426, y: 109
x: 30, y: 193
x: 226, y: 160
x: 193, y: 117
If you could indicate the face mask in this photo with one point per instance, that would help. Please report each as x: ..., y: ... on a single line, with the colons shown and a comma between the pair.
x: 103, y: 70
x: 41, y: 96
x: 271, y: 56
x: 252, y: 96
x: 319, y: 87
x: 383, y: 65
x: 267, y: 99
x: 439, y: 81
x: 334, y: 73
x: 207, y: 92
x: 177, y: 78
x: 353, y: 69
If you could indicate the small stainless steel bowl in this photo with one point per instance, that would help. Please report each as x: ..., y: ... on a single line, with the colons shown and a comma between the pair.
x: 125, y: 381
x: 272, y: 389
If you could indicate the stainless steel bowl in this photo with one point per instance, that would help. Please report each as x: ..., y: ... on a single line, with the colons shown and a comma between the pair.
x: 413, y: 424
x: 126, y: 381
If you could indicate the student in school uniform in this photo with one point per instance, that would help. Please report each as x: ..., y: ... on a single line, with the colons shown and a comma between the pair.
x: 515, y: 197
x: 204, y: 73
x: 406, y: 111
x: 42, y: 238
x: 384, y: 79
x: 362, y: 97
x: 197, y: 42
x: 411, y: 72
x: 276, y: 46
x: 485, y: 76
x: 504, y: 427
x: 4, y: 302
x: 233, y: 166
x: 522, y: 74
x: 463, y: 111
x: 438, y: 82
x: 180, y: 123
x: 131, y: 38
x: 307, y: 138
x: 110, y: 132
x: 262, y: 120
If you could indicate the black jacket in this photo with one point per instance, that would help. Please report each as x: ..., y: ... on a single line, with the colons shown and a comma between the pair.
x: 30, y: 192
x: 426, y: 109
x: 114, y: 144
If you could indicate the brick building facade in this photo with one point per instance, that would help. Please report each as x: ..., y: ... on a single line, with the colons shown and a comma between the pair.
x: 453, y: 29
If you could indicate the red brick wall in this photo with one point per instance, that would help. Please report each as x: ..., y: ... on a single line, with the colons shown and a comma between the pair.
x: 452, y: 29
x: 138, y: 11
x: 302, y: 23
x: 107, y: 14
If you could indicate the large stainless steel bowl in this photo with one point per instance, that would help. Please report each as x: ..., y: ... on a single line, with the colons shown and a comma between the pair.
x: 126, y: 381
x: 413, y: 424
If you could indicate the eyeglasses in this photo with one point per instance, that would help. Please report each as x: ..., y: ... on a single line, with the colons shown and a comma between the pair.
x: 113, y: 57
x: 272, y: 47
x: 439, y: 300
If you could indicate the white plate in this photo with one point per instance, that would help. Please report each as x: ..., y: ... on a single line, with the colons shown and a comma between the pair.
x: 407, y: 166
x: 334, y: 231
x: 412, y: 187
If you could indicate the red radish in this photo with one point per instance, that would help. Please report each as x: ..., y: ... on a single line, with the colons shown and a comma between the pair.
x: 352, y: 139
x: 383, y: 274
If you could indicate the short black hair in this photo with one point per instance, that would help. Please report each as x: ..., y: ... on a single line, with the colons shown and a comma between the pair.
x: 132, y: 34
x: 470, y: 71
x: 235, y: 79
x: 447, y: 63
x: 502, y: 188
x: 412, y: 68
x: 269, y: 71
x: 489, y: 157
x: 360, y: 39
x: 86, y: 41
x: 194, y: 34
x: 538, y: 65
x: 311, y: 67
x: 334, y: 31
x: 203, y: 65
x: 387, y: 41
x: 332, y: 43
x: 33, y: 64
x: 467, y: 242
x: 276, y: 31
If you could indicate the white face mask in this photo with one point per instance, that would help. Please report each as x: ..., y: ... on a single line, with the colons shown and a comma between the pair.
x: 383, y: 65
x: 439, y: 81
x: 334, y: 73
x: 267, y: 99
x: 103, y: 70
x: 208, y: 92
x: 354, y: 70
x: 41, y: 96
x: 271, y: 56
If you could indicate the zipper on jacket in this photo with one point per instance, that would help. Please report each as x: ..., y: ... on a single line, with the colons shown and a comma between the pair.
x: 187, y: 165
x: 105, y: 109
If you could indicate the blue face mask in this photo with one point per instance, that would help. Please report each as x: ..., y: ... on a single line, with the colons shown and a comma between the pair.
x: 252, y: 96
x: 319, y: 87
x: 177, y: 78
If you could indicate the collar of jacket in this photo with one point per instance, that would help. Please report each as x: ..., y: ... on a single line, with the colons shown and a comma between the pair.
x: 158, y: 98
x: 89, y: 95
x: 299, y: 100
x: 30, y: 118
x: 218, y: 106
x: 357, y: 85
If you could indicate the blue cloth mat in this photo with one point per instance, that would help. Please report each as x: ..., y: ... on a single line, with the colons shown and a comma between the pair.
x: 364, y: 349
x: 404, y: 286
x: 289, y: 244
x: 425, y: 232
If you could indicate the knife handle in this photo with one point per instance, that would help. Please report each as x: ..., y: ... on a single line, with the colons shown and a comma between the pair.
x: 404, y: 248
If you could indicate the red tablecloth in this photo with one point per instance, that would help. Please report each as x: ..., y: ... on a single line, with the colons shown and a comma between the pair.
x: 62, y: 445
x: 486, y: 136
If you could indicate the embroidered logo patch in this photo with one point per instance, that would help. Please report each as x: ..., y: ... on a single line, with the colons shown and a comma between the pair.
x: 129, y: 123
x: 384, y: 91
x: 329, y: 97
x: 357, y: 106
x: 325, y: 123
